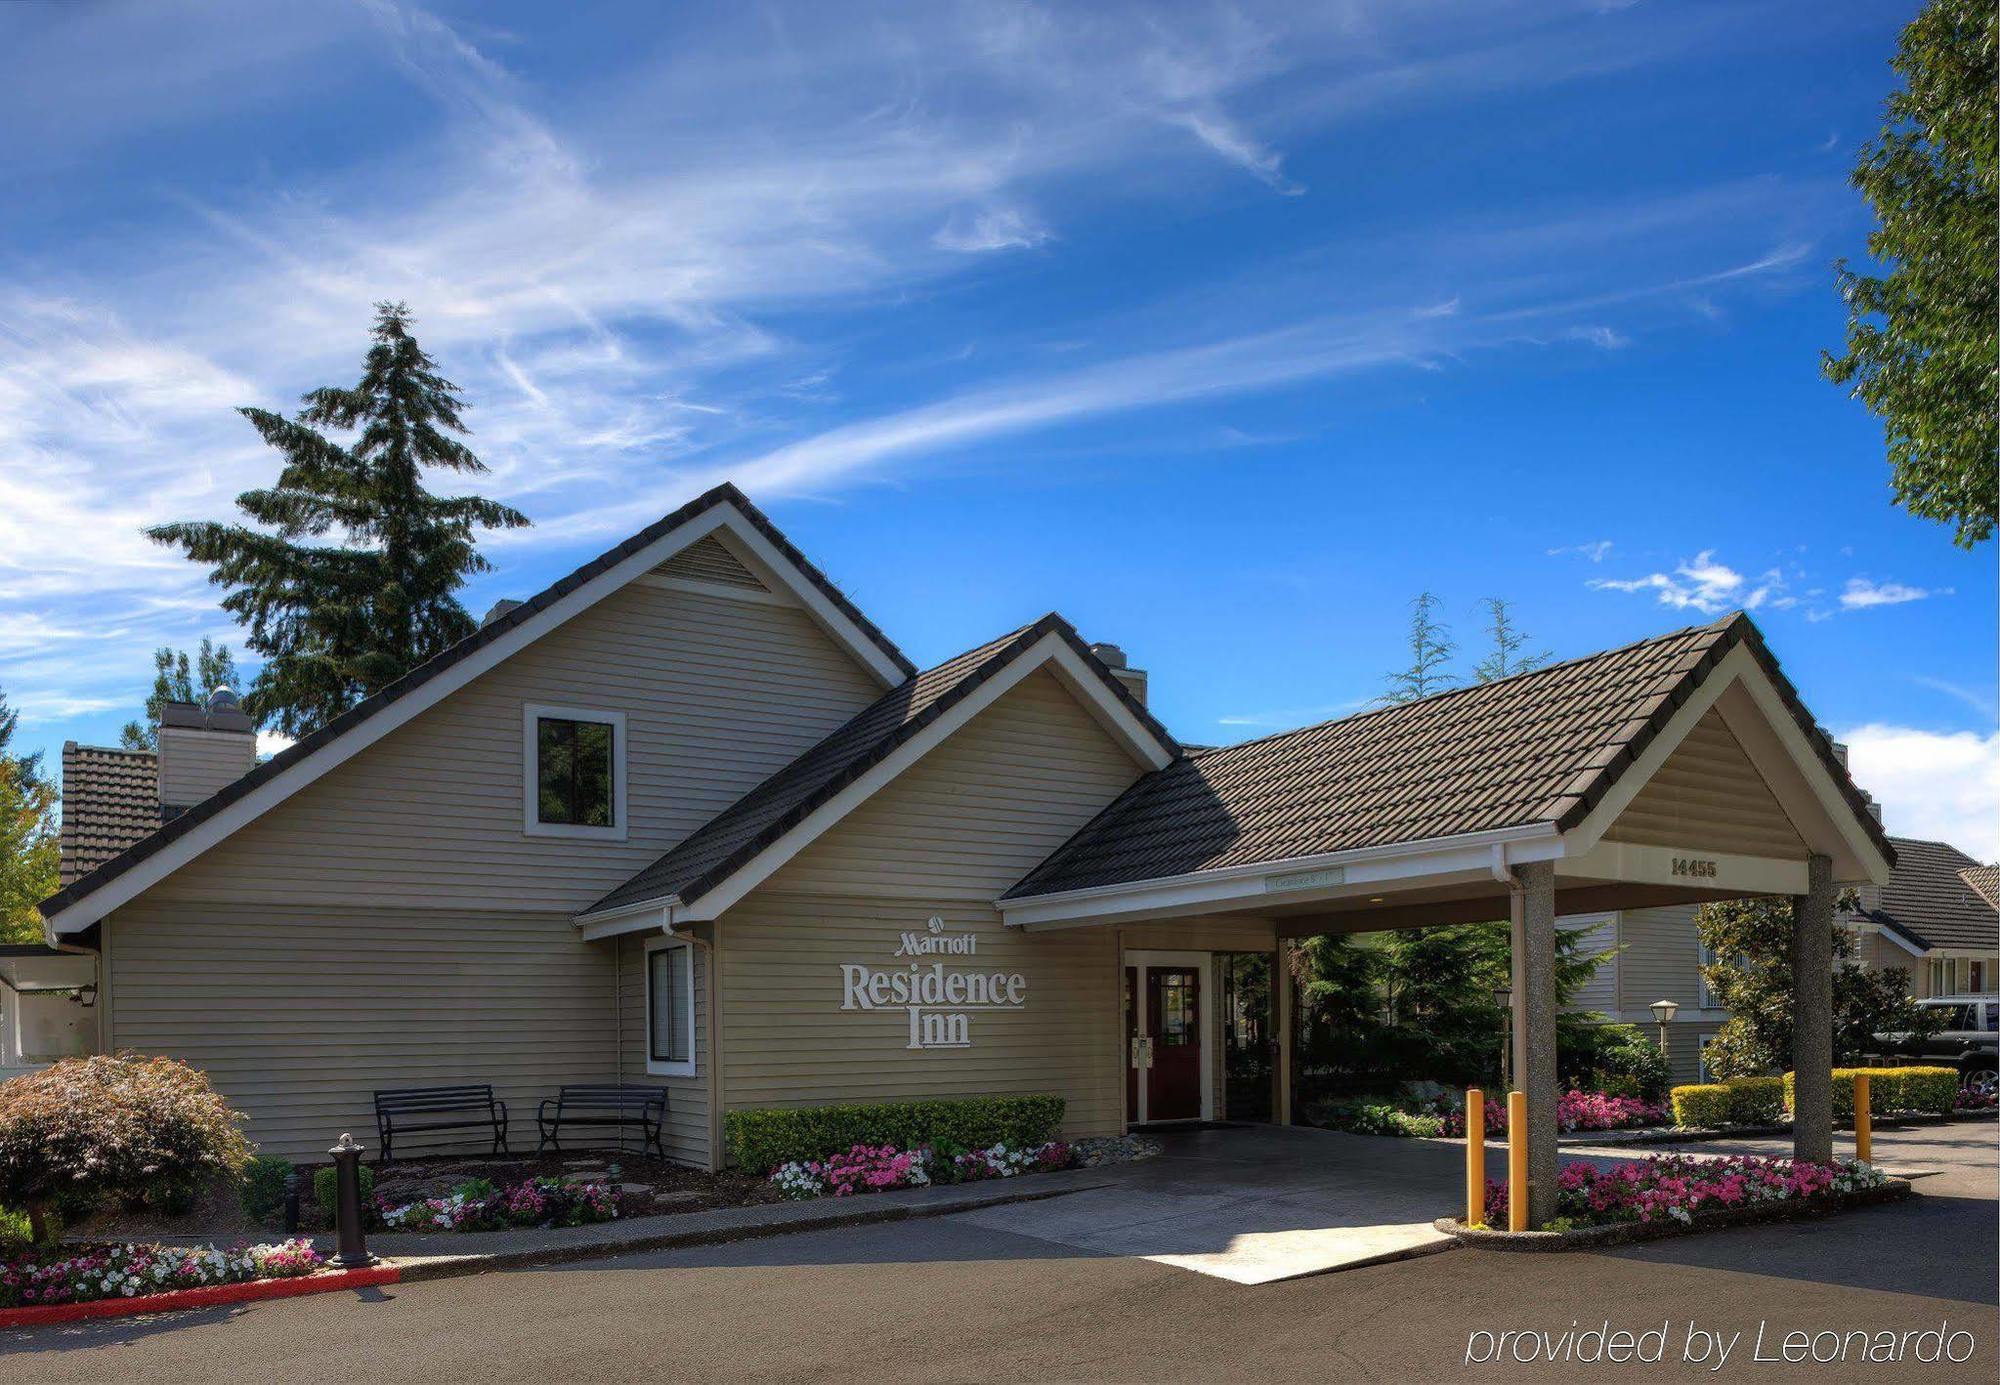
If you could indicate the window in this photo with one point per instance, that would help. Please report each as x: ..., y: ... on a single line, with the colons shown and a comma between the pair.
x: 669, y: 1008
x: 1701, y: 1044
x: 575, y: 772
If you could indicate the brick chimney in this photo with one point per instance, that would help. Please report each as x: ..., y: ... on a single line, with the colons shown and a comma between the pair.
x: 1134, y: 679
x: 203, y: 746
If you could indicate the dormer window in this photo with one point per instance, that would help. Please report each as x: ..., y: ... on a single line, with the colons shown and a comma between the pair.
x: 575, y: 761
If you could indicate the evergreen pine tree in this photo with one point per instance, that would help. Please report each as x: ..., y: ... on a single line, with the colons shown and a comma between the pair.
x: 1430, y: 648
x: 29, y: 836
x: 176, y: 680
x: 350, y: 580
x: 1504, y: 657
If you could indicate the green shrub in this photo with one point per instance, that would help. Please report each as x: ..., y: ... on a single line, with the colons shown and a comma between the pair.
x: 760, y: 1140
x: 1891, y: 1089
x: 1754, y: 1100
x: 13, y: 1229
x: 1701, y: 1104
x: 263, y: 1187
x: 325, y: 1195
x: 140, y: 1129
x: 1628, y: 1063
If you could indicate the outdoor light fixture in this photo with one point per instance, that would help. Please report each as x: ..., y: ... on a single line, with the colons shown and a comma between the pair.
x: 1664, y: 1011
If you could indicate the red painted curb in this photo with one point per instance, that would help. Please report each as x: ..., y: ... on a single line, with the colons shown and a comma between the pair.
x: 207, y: 1297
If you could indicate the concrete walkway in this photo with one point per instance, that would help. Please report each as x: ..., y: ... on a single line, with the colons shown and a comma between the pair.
x: 1258, y: 1204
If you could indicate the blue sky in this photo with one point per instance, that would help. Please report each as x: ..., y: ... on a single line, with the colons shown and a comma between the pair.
x: 1222, y: 329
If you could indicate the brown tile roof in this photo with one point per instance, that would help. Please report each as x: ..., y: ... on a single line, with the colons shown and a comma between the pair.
x: 715, y: 851
x: 75, y: 890
x: 1931, y: 901
x: 1541, y: 747
x: 110, y: 799
x: 1984, y: 882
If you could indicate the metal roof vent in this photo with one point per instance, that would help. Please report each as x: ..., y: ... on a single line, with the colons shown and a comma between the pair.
x: 224, y: 700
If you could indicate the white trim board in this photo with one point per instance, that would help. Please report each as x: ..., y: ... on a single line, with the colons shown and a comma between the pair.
x: 660, y: 1067
x: 722, y: 515
x: 531, y: 819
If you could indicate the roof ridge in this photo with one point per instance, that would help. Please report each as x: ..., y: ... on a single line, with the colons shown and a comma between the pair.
x: 1436, y: 697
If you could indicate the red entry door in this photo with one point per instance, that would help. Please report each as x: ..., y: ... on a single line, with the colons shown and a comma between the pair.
x: 1173, y: 1020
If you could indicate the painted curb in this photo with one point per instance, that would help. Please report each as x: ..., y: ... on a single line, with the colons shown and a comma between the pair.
x: 209, y: 1296
x: 1624, y: 1233
x: 452, y: 1266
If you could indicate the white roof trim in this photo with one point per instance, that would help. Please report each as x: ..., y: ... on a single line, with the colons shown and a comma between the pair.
x: 1051, y: 650
x: 723, y: 515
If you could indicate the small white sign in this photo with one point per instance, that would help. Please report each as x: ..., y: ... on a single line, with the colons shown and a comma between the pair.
x: 1307, y: 879
x: 939, y: 1002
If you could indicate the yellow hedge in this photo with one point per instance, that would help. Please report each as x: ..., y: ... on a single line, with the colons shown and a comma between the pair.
x: 1928, y: 1089
x: 1737, y: 1101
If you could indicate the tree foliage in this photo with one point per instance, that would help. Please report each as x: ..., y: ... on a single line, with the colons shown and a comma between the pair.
x: 1751, y: 940
x: 1431, y: 648
x: 1922, y: 343
x: 1504, y: 656
x: 30, y: 836
x: 175, y: 679
x: 349, y: 578
x: 1417, y: 1004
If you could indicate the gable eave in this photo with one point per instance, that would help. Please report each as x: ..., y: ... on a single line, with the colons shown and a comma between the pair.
x: 86, y: 900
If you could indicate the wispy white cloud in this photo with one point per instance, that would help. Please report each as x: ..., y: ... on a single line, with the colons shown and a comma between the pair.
x: 1597, y: 550
x: 1003, y: 228
x: 1226, y: 138
x: 1705, y: 584
x: 1939, y: 785
x: 1862, y: 593
x: 1981, y: 701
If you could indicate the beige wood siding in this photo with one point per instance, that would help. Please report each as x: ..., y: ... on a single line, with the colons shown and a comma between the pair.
x: 1708, y: 796
x: 299, y: 1014
x: 1203, y: 935
x: 195, y: 763
x: 1601, y: 991
x: 687, y: 1097
x: 787, y: 1042
x: 979, y: 811
x: 717, y: 695
x: 944, y: 839
x: 1662, y: 957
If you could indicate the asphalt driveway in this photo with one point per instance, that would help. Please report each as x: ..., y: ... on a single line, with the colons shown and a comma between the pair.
x: 956, y: 1299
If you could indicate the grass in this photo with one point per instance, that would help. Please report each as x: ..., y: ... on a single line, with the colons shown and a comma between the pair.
x: 13, y: 1229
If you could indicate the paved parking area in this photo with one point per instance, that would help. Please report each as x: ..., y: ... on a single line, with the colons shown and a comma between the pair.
x: 1257, y: 1205
x: 950, y: 1299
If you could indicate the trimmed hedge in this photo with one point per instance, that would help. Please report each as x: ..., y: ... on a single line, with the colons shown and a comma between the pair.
x: 1930, y: 1089
x: 1737, y: 1101
x: 760, y: 1140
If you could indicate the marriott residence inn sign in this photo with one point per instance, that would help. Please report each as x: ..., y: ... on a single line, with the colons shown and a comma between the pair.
x: 938, y: 996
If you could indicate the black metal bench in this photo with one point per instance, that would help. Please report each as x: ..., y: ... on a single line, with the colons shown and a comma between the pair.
x: 426, y: 1111
x: 605, y: 1107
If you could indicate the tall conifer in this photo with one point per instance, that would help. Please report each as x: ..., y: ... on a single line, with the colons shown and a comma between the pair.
x: 350, y: 578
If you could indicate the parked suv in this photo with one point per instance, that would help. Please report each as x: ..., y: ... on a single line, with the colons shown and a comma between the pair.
x: 1969, y: 1040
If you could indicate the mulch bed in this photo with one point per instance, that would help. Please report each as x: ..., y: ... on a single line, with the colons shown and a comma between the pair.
x: 649, y: 1185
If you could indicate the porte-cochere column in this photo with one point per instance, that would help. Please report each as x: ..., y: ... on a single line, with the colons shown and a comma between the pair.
x: 1534, y: 940
x: 1812, y: 1014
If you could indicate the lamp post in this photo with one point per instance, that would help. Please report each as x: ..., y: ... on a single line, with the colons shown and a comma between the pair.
x: 1664, y: 1011
x: 1504, y: 998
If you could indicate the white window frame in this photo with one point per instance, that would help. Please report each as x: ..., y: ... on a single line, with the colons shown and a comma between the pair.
x: 654, y: 1066
x: 621, y: 809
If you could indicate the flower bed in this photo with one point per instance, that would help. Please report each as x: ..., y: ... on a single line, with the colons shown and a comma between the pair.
x: 83, y: 1275
x: 1972, y: 1101
x: 479, y: 1206
x: 1574, y: 1111
x: 879, y: 1168
x: 1677, y: 1187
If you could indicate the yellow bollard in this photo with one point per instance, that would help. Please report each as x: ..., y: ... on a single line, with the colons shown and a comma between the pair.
x: 1517, y: 1161
x: 1864, y: 1119
x: 1475, y: 1157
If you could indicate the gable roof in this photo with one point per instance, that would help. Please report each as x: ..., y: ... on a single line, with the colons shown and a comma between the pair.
x: 297, y: 762
x: 1983, y: 881
x: 735, y: 837
x: 1540, y: 748
x: 1930, y: 901
x: 110, y: 800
